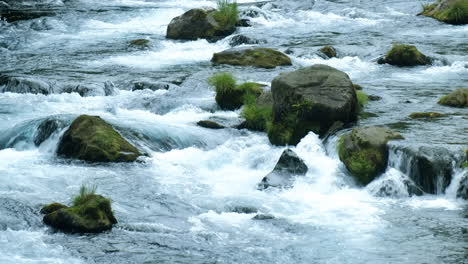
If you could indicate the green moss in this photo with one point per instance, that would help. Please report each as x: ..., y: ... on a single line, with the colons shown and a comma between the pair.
x: 52, y: 208
x: 227, y: 13
x: 426, y: 115
x: 362, y: 99
x: 257, y: 118
x: 456, y: 12
x: 85, y: 194
x: 256, y: 57
x: 464, y: 165
x: 329, y: 51
x: 405, y: 55
x: 230, y: 96
x: 91, y: 139
x: 357, y: 87
x: 457, y: 98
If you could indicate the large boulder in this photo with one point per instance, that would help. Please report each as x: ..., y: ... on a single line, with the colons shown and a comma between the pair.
x: 457, y: 98
x: 462, y: 191
x: 364, y: 151
x: 92, y: 215
x: 93, y: 89
x: 288, y: 166
x: 198, y: 24
x: 46, y: 128
x: 310, y: 99
x: 250, y: 56
x: 25, y: 85
x: 448, y: 11
x: 90, y: 138
x: 405, y: 55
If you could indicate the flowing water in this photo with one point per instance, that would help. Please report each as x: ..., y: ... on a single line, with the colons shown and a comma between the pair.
x: 183, y: 203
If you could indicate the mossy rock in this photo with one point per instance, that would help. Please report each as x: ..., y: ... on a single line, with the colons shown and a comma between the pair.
x: 256, y: 57
x: 426, y: 115
x: 232, y: 99
x: 457, y: 98
x: 198, y: 24
x: 90, y: 138
x: 405, y: 55
x: 364, y: 151
x: 448, y: 11
x: 258, y: 114
x: 52, y: 208
x: 209, y: 124
x: 357, y: 87
x: 92, y: 215
x: 310, y: 99
x: 143, y: 43
x: 329, y: 51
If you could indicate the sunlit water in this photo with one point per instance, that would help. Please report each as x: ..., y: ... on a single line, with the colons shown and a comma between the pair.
x: 179, y: 204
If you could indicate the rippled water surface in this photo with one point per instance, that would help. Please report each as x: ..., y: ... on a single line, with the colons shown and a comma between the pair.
x: 179, y: 205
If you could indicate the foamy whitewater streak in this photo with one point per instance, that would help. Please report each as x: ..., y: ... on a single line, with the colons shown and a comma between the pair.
x: 354, y: 66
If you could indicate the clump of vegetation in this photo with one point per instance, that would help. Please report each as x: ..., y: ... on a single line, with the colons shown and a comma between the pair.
x: 455, y: 12
x: 362, y: 99
x: 257, y: 118
x: 227, y: 13
x: 426, y: 115
x: 231, y: 96
x: 405, y: 55
x: 86, y: 193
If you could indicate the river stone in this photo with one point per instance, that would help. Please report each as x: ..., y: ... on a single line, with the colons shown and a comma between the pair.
x: 448, y: 11
x: 310, y: 99
x: 153, y: 86
x: 405, y: 55
x: 249, y: 56
x: 25, y: 85
x: 457, y: 98
x: 329, y: 51
x: 197, y: 24
x: 462, y: 191
x: 46, y: 129
x: 86, y: 90
x: 242, y: 39
x: 288, y: 166
x: 92, y: 215
x: 90, y: 138
x: 209, y: 124
x: 364, y: 151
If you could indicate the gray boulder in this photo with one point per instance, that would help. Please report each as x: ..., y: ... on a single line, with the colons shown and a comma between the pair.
x: 462, y: 191
x: 25, y: 85
x: 310, y: 99
x: 288, y: 166
x: 86, y: 90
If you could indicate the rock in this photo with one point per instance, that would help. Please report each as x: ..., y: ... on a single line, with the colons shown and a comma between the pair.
x: 405, y: 55
x: 46, y: 129
x: 417, y: 115
x: 457, y: 98
x: 288, y: 166
x: 393, y: 188
x: 90, y: 138
x: 364, y: 151
x: 448, y: 11
x: 310, y: 99
x: 242, y: 39
x: 52, y: 208
x: 25, y: 85
x: 429, y: 167
x: 329, y: 51
x: 229, y: 95
x: 374, y: 98
x: 198, y: 24
x: 263, y: 217
x: 462, y: 191
x: 140, y: 43
x: 243, y: 22
x: 357, y: 87
x: 153, y: 86
x: 244, y: 209
x: 209, y: 124
x: 249, y: 56
x: 92, y: 215
x: 86, y: 90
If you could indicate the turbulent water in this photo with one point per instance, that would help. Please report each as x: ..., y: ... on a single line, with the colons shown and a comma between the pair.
x: 181, y: 204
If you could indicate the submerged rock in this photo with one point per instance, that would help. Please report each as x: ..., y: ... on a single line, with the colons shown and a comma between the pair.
x: 417, y: 115
x: 405, y: 55
x: 448, y: 11
x: 90, y: 138
x: 153, y: 86
x: 457, y: 98
x: 46, y: 129
x: 198, y: 24
x: 462, y: 191
x: 310, y: 99
x: 242, y: 39
x: 91, y: 215
x: 209, y: 124
x: 364, y: 151
x: 288, y: 166
x: 142, y: 43
x: 86, y: 90
x: 329, y: 51
x: 256, y: 57
x: 25, y: 85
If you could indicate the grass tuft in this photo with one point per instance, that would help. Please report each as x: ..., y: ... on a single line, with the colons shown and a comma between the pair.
x: 86, y: 193
x: 223, y: 82
x: 227, y: 13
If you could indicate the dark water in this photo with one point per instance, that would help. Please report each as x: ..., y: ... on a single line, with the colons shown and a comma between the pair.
x: 177, y: 206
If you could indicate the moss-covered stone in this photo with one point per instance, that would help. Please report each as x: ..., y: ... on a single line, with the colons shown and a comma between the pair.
x: 457, y: 98
x: 90, y: 138
x: 310, y: 99
x: 364, y: 151
x: 249, y: 56
x: 417, y: 115
x: 258, y: 114
x: 357, y: 87
x: 209, y: 124
x: 92, y: 215
x: 52, y: 208
x: 329, y: 51
x: 140, y: 43
x: 448, y: 11
x: 405, y: 55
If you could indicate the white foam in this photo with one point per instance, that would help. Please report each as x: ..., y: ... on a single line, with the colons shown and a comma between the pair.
x: 433, y: 202
x: 453, y: 71
x: 354, y: 66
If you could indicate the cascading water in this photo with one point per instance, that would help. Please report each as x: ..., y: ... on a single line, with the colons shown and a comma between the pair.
x: 194, y: 197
